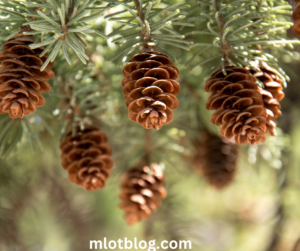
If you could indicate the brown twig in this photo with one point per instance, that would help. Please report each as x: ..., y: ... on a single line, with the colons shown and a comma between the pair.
x: 147, y: 39
x: 138, y: 8
x: 224, y: 47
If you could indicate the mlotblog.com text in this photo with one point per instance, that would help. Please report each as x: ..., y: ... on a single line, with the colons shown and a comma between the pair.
x: 151, y: 245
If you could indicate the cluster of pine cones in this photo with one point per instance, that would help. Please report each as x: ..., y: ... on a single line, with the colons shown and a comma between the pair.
x: 244, y: 111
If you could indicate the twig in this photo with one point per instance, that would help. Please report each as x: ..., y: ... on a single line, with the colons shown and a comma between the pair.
x: 147, y: 39
x: 138, y: 8
x: 224, y: 47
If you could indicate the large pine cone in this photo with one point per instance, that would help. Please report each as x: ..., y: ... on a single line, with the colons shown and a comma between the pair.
x: 271, y: 94
x: 21, y: 80
x: 238, y: 104
x: 86, y: 157
x: 216, y: 158
x: 296, y: 17
x: 150, y: 89
x: 142, y: 189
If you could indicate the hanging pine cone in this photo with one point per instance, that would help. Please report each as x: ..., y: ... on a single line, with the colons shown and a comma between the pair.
x: 238, y: 104
x: 21, y: 80
x: 216, y: 158
x: 142, y: 189
x: 86, y: 157
x: 296, y: 17
x: 150, y: 89
x: 271, y: 94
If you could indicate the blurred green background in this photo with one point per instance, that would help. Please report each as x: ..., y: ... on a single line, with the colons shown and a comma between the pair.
x: 40, y: 210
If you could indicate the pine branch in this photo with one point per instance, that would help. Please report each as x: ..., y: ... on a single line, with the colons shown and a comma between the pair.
x: 80, y: 95
x: 59, y: 22
x: 234, y: 31
x: 147, y: 26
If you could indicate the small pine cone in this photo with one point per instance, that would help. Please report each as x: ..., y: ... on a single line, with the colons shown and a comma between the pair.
x: 150, y: 89
x: 216, y: 158
x: 142, y: 189
x: 21, y: 80
x: 238, y: 104
x: 86, y: 157
x: 271, y: 94
x: 296, y: 17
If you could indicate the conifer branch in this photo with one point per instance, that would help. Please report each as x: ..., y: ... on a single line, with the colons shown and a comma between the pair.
x: 145, y: 26
x: 66, y: 24
x: 234, y: 31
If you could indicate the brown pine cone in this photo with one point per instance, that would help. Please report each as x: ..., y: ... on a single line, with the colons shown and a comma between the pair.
x: 86, y: 157
x: 150, y: 89
x: 271, y: 94
x: 21, y: 80
x: 238, y: 104
x: 216, y: 158
x: 296, y: 17
x: 142, y: 189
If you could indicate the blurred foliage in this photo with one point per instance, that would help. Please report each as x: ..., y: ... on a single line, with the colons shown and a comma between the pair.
x: 41, y: 210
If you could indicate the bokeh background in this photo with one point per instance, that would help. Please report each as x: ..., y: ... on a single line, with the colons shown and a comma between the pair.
x: 40, y: 210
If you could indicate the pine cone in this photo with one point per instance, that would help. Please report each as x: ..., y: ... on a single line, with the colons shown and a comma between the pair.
x: 216, y: 158
x: 86, y: 157
x: 296, y: 17
x: 238, y: 104
x: 150, y: 89
x: 142, y: 189
x: 20, y: 77
x: 271, y: 94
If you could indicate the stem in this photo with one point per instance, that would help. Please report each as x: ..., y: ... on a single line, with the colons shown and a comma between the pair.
x: 224, y: 46
x: 77, y: 112
x: 138, y: 8
x: 147, y: 38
